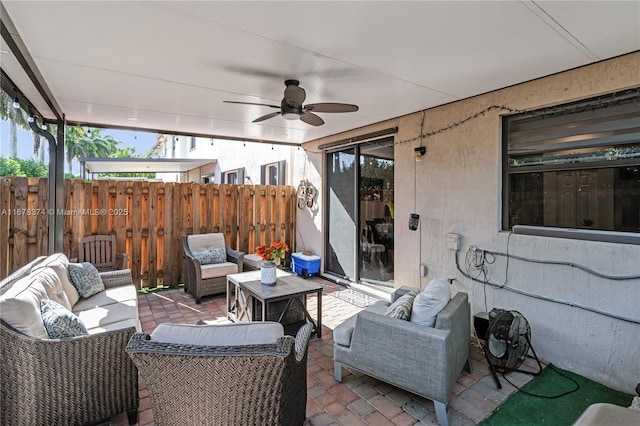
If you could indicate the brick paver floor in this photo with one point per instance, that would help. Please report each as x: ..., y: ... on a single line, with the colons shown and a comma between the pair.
x: 359, y: 399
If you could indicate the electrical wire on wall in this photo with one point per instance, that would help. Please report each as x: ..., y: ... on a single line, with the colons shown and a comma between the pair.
x: 600, y: 102
x: 422, y: 135
x: 477, y: 263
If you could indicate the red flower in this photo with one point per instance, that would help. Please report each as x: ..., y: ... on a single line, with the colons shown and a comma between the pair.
x: 275, y: 251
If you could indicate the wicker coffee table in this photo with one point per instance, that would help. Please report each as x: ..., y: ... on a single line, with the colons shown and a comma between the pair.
x: 249, y: 300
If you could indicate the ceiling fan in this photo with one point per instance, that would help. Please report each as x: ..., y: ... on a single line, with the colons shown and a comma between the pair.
x: 291, y: 107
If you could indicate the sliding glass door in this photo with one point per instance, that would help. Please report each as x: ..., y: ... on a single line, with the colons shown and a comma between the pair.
x: 341, y: 214
x: 359, y: 216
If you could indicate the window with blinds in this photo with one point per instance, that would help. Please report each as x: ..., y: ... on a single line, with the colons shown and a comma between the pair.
x: 574, y: 165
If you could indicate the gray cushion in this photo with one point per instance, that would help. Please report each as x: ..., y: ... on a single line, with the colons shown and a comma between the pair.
x: 59, y: 322
x: 219, y: 334
x: 210, y: 256
x: 343, y: 332
x: 401, y: 308
x: 86, y: 279
x: 430, y: 302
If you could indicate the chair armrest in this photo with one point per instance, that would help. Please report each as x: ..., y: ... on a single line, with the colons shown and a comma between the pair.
x: 122, y: 261
x: 193, y: 266
x: 116, y: 278
x: 400, y: 291
x: 391, y: 333
x: 236, y: 257
x: 302, y: 341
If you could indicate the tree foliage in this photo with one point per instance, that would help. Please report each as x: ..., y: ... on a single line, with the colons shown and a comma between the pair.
x: 20, y: 167
x: 81, y: 142
x: 17, y: 117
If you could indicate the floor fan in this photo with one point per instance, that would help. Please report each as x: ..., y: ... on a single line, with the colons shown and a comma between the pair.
x: 508, y: 343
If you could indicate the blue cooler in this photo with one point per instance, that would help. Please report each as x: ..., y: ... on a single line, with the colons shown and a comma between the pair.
x: 305, y: 265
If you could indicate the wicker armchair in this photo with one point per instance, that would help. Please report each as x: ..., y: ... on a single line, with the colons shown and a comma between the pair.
x: 262, y: 384
x: 204, y: 280
x: 79, y: 380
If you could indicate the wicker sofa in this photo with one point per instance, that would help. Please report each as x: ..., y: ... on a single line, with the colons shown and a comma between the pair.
x: 74, y: 380
x: 233, y: 383
x: 204, y: 279
x: 421, y: 359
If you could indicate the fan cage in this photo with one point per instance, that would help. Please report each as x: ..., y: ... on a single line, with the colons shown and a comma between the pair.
x: 508, y: 340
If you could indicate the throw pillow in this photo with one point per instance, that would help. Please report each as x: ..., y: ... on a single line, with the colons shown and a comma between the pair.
x: 86, y: 279
x: 430, y: 302
x: 60, y: 322
x: 210, y: 256
x: 401, y: 308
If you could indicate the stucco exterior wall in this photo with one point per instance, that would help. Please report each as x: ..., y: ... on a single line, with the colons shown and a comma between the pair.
x: 458, y: 189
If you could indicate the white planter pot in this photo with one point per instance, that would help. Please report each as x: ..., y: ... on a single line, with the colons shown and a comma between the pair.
x: 268, y: 272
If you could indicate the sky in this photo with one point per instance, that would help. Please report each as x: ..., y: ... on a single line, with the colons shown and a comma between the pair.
x: 141, y: 141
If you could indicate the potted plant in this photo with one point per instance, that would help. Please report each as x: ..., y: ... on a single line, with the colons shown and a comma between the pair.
x: 272, y: 256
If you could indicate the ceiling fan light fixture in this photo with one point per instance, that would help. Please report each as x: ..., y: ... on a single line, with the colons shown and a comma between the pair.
x: 290, y: 116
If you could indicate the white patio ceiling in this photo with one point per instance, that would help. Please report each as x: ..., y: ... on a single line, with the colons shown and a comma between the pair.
x: 169, y: 65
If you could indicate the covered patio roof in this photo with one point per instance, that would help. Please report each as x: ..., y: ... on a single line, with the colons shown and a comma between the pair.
x: 170, y: 65
x: 141, y: 165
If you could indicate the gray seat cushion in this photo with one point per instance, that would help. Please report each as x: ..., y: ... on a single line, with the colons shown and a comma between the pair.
x: 342, y: 333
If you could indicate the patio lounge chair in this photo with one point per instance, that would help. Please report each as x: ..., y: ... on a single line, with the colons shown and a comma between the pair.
x: 100, y: 250
x: 249, y: 384
x: 206, y: 271
x: 421, y: 359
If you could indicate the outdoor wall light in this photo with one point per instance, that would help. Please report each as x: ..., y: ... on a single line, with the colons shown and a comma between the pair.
x: 420, y: 150
x: 16, y: 103
x: 31, y: 119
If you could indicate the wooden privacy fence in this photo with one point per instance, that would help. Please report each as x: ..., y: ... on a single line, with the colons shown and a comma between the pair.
x: 148, y: 219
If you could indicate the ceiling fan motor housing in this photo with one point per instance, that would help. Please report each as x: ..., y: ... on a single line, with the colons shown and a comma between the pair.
x: 290, y: 112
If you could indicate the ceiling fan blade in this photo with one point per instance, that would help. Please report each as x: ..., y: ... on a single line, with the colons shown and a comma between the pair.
x: 251, y: 103
x: 294, y: 95
x: 331, y: 107
x: 311, y: 118
x: 266, y: 117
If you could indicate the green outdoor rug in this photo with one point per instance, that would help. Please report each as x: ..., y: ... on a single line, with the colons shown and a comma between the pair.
x: 523, y: 409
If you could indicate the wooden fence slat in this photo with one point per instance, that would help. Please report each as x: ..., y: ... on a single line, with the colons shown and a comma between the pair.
x: 120, y: 217
x: 68, y: 225
x: 244, y: 219
x: 144, y: 228
x: 153, y: 234
x: 136, y: 231
x: 5, y: 220
x: 20, y: 252
x: 42, y: 227
x: 167, y: 270
x: 183, y: 193
x: 195, y: 208
x: 148, y: 219
x: 102, y: 208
